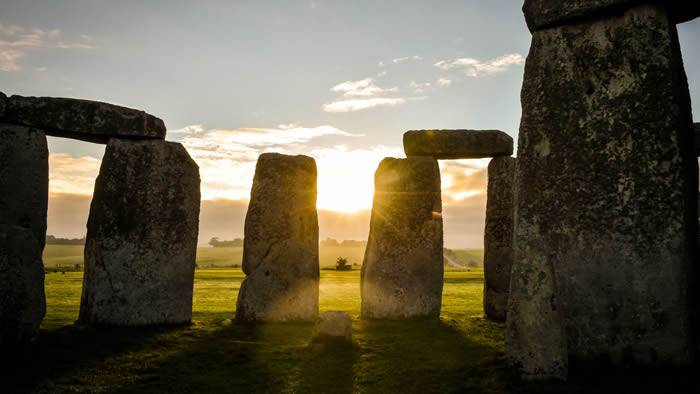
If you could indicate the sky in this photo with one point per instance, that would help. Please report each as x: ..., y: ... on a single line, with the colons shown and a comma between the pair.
x: 340, y: 81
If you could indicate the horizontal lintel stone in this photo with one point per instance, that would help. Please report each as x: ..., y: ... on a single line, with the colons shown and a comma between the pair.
x: 457, y: 144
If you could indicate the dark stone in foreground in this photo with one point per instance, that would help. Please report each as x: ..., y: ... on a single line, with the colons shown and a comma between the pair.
x: 541, y: 14
x: 696, y: 126
x: 141, y: 236
x: 82, y: 119
x: 498, y: 237
x: 607, y: 188
x: 280, y: 250
x: 3, y: 104
x: 402, y: 272
x: 457, y: 144
x: 24, y: 179
x: 334, y: 327
x: 22, y: 301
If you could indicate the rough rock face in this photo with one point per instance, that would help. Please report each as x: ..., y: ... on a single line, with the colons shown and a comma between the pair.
x: 607, y: 188
x: 333, y: 326
x: 24, y: 179
x: 142, y: 236
x: 22, y: 302
x: 541, y: 14
x: 498, y: 237
x: 280, y: 249
x: 402, y: 273
x: 457, y: 144
x: 82, y: 119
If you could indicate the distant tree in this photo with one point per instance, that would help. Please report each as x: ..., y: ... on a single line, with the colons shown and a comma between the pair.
x: 341, y: 264
x: 214, y: 242
x: 473, y: 264
x: 353, y: 243
x: 329, y: 243
x: 52, y: 240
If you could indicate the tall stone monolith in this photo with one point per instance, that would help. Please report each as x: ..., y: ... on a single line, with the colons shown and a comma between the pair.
x: 498, y: 237
x: 280, y: 249
x: 24, y: 179
x: 402, y: 272
x: 22, y: 301
x: 606, y: 188
x: 142, y: 236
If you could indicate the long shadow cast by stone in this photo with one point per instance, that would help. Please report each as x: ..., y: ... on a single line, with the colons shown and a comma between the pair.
x: 328, y: 368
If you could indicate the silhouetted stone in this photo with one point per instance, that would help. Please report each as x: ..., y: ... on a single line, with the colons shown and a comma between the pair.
x: 24, y: 179
x: 697, y: 137
x: 541, y: 14
x: 535, y: 336
x: 498, y: 237
x: 22, y: 302
x: 3, y: 104
x: 82, y: 119
x: 333, y: 327
x: 457, y: 144
x: 141, y: 236
x: 280, y: 248
x: 607, y: 185
x: 403, y: 265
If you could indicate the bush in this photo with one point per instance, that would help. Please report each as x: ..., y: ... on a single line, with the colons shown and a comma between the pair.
x: 342, y: 264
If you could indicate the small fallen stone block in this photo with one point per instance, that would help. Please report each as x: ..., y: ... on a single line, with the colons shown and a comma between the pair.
x: 333, y: 327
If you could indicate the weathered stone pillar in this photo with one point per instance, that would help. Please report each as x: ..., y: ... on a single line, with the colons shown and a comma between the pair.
x: 606, y: 188
x: 142, y: 236
x: 498, y: 237
x: 280, y: 250
x: 22, y: 301
x: 402, y: 272
x: 23, y: 201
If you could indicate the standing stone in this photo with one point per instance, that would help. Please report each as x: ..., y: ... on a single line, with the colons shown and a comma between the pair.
x: 86, y: 120
x: 24, y: 179
x: 402, y: 272
x: 280, y: 248
x: 696, y: 126
x: 142, y: 236
x: 457, y: 144
x: 606, y: 188
x: 22, y: 302
x: 3, y: 104
x: 498, y: 237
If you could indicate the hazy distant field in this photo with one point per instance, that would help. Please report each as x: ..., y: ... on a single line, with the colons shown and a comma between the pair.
x: 70, y: 255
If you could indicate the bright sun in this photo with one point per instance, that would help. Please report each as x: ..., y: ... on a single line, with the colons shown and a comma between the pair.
x: 346, y: 178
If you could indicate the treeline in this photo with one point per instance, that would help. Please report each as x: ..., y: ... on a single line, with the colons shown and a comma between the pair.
x: 215, y: 242
x: 51, y: 240
x: 326, y: 243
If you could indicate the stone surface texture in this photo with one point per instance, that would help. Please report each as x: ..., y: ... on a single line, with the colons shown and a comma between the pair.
x: 541, y: 14
x: 402, y: 272
x: 333, y: 326
x: 142, y: 236
x: 457, y: 144
x: 24, y: 179
x: 280, y: 250
x: 606, y: 189
x: 82, y: 119
x: 498, y: 237
x: 22, y: 301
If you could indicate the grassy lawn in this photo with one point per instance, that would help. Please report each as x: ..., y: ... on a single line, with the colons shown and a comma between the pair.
x: 462, y: 352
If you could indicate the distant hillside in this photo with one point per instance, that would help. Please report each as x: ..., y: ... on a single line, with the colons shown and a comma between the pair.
x: 51, y: 240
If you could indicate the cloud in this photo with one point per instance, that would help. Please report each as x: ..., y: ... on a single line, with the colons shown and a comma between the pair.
x: 406, y: 58
x: 227, y: 158
x: 444, y: 82
x: 476, y: 68
x: 360, y: 104
x: 71, y: 174
x: 362, y: 88
x: 16, y: 41
x: 419, y: 87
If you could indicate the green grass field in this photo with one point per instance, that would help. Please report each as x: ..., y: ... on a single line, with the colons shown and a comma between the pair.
x: 462, y: 352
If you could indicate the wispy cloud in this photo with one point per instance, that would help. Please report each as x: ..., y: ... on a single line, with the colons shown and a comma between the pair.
x: 406, y: 58
x: 362, y: 94
x: 363, y: 88
x: 419, y: 87
x: 16, y: 41
x: 360, y: 104
x: 444, y: 82
x: 476, y: 68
